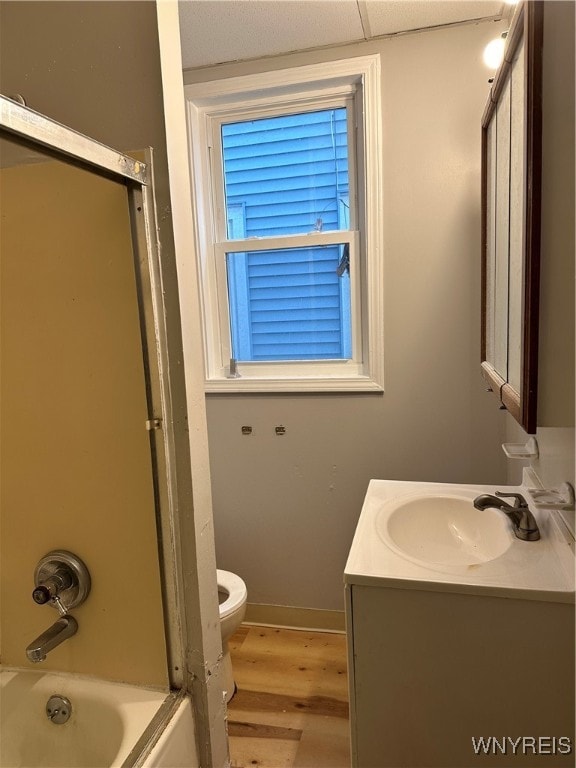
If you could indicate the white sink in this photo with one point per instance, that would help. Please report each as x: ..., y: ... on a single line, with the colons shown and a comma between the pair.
x: 428, y: 627
x: 444, y: 529
x: 429, y: 536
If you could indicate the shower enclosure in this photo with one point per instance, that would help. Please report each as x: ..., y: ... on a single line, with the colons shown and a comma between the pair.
x: 93, y: 457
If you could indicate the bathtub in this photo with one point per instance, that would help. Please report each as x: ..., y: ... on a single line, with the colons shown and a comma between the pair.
x: 111, y: 724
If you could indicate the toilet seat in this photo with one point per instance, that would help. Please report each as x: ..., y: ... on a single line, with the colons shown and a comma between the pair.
x: 236, y: 589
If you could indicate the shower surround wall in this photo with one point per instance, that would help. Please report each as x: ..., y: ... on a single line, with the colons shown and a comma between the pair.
x: 286, y: 507
x: 76, y: 463
x: 95, y: 67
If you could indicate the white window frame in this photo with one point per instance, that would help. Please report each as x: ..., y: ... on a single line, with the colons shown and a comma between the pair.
x: 309, y: 87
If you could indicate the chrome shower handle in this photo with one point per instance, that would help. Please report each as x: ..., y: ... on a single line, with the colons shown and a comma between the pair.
x: 62, y: 580
x: 51, y: 586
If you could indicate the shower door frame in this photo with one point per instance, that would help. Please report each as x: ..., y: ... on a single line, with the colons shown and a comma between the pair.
x: 193, y: 651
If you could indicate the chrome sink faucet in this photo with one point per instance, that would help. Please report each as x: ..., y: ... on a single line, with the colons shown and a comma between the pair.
x: 519, y: 514
x: 62, y: 581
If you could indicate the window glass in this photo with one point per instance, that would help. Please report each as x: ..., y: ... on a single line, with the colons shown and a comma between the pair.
x: 291, y: 304
x: 288, y: 174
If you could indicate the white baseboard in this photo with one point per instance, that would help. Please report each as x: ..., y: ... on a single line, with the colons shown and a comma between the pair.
x: 290, y: 617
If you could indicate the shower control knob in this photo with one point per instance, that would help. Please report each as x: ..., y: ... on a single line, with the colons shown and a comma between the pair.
x: 62, y: 580
x: 41, y: 595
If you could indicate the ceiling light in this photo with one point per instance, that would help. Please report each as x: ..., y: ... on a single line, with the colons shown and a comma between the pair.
x: 494, y: 52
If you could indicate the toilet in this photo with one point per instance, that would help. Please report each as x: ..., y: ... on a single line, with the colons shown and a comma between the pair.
x: 232, y: 596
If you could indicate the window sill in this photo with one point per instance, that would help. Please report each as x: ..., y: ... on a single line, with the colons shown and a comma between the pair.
x: 286, y: 384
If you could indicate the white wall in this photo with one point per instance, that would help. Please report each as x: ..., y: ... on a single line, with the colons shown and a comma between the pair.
x: 286, y: 507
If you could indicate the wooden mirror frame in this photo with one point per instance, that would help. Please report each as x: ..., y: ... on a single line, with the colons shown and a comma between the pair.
x: 527, y: 25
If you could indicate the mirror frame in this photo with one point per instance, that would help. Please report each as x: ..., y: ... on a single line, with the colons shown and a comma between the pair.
x: 527, y: 25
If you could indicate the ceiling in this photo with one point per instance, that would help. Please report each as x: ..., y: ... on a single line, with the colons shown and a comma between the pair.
x: 218, y: 31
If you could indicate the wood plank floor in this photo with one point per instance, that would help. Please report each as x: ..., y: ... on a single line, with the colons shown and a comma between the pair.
x: 291, y: 707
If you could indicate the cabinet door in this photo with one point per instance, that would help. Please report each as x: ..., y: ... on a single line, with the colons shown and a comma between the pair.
x: 511, y: 201
x: 433, y: 670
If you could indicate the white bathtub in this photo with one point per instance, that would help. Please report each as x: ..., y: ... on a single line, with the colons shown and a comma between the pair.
x: 111, y: 724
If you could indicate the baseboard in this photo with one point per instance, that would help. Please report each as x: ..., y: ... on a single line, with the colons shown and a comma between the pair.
x: 290, y: 617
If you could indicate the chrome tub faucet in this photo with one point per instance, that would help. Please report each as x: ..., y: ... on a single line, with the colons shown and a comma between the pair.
x: 519, y: 514
x: 62, y: 581
x: 61, y: 630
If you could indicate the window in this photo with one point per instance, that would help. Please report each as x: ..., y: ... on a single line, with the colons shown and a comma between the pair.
x: 288, y: 236
x: 287, y: 176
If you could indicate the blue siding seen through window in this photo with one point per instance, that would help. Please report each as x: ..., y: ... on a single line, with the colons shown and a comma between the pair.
x: 287, y: 175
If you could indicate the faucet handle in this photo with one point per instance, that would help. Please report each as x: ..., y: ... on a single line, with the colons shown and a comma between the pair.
x: 519, y: 500
x: 53, y: 582
x: 62, y: 580
x: 41, y: 595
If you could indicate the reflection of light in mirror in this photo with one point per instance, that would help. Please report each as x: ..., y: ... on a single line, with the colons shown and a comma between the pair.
x: 494, y: 53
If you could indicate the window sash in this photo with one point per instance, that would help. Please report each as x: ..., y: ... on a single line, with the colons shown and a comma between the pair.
x: 346, y: 367
x: 223, y: 245
x: 348, y: 101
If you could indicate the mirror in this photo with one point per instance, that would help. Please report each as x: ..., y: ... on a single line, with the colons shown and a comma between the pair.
x: 511, y: 202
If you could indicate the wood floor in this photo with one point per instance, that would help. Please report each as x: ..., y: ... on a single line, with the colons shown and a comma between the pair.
x: 291, y: 707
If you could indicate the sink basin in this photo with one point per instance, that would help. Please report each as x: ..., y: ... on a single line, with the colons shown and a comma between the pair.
x: 444, y: 530
x: 429, y: 537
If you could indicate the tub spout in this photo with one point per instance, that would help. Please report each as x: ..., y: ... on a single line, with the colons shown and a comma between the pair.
x: 61, y: 630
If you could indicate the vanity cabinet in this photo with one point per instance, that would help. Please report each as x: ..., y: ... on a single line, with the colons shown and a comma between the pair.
x: 429, y: 671
x: 451, y: 641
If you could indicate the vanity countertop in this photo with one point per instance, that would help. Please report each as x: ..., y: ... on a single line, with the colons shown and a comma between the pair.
x: 538, y: 570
